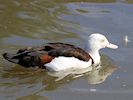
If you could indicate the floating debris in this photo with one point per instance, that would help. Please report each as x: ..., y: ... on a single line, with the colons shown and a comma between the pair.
x: 126, y: 40
x: 93, y: 90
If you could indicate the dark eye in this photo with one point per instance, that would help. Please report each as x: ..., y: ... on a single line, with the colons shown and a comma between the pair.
x: 102, y: 40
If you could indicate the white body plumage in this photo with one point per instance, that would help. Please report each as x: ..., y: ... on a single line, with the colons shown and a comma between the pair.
x: 62, y: 63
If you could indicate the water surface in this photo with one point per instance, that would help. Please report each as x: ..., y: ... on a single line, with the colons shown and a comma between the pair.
x: 34, y: 22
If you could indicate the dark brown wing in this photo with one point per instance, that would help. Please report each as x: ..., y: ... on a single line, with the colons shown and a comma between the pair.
x: 67, y: 50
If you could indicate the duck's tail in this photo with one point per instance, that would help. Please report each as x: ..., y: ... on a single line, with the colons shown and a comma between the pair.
x: 11, y: 57
x: 22, y: 59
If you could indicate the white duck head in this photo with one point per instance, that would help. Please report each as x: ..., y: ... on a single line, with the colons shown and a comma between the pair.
x: 97, y: 41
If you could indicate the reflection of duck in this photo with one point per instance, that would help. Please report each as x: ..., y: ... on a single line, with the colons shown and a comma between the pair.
x: 97, y: 76
x: 61, y: 56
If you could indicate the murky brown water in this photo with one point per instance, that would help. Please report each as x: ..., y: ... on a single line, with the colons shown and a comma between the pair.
x: 34, y: 22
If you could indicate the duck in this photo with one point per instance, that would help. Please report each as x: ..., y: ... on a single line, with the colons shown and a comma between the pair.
x: 61, y: 56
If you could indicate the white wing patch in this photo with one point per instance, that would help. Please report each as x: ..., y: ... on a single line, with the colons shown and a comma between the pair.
x: 62, y: 63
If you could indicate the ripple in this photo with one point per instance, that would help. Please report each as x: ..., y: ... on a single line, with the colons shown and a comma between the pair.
x: 27, y: 15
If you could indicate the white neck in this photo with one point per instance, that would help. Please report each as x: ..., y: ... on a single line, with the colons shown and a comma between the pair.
x: 94, y: 53
x: 95, y: 56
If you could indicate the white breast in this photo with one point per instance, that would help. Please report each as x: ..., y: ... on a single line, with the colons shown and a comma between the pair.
x: 62, y: 63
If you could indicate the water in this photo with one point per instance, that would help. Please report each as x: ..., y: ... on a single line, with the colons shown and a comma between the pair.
x: 34, y: 22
